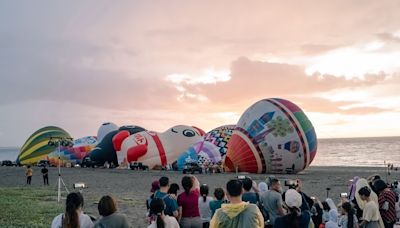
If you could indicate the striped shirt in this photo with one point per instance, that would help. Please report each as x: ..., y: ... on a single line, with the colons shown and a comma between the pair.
x: 388, y: 196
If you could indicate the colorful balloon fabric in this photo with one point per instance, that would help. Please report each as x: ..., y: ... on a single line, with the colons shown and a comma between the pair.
x: 105, y: 151
x: 155, y: 149
x: 220, y: 137
x: 74, y: 155
x: 210, y: 150
x: 104, y: 129
x: 272, y: 136
x: 36, y: 146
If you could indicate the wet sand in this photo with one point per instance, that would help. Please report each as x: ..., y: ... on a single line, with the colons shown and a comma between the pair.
x: 131, y: 188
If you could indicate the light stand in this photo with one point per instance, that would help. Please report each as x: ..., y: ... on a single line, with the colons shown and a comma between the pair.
x: 67, y: 142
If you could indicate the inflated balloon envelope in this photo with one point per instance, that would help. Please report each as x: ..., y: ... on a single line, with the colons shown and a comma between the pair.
x: 272, y: 136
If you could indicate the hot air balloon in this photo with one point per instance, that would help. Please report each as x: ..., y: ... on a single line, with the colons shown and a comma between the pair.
x: 220, y: 137
x: 74, y: 155
x: 272, y: 136
x: 155, y: 149
x: 202, y: 152
x: 36, y: 146
x: 104, y: 129
x: 104, y: 151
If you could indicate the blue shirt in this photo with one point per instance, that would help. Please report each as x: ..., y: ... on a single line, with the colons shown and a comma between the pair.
x: 250, y: 197
x: 171, y: 204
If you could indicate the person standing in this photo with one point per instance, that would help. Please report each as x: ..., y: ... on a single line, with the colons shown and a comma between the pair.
x: 387, y: 203
x: 171, y: 204
x: 272, y: 201
x: 29, y: 174
x: 371, y: 216
x: 188, y: 202
x: 237, y: 213
x: 45, y: 173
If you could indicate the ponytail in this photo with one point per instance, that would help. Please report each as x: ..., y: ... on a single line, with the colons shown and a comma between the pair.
x: 350, y: 214
x: 73, y: 203
x: 160, y: 221
x: 204, y: 192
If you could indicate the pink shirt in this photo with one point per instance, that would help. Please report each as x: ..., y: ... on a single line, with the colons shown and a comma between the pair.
x: 189, y: 203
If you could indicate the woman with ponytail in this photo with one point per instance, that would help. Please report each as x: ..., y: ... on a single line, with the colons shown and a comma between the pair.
x: 188, y: 202
x: 349, y: 219
x: 204, y: 206
x: 163, y: 221
x: 73, y: 216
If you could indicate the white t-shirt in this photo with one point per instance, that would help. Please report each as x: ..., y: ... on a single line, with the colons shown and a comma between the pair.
x: 84, y: 221
x: 170, y: 222
x: 204, y: 208
x: 371, y: 212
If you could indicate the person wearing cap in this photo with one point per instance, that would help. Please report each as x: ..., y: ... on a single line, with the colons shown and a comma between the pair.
x: 237, y: 213
x: 272, y: 200
x: 171, y: 204
x: 295, y: 218
x: 387, y: 203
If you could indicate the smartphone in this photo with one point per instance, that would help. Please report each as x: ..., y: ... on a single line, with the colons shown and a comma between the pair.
x: 312, y: 197
x: 241, y: 177
x: 343, y: 195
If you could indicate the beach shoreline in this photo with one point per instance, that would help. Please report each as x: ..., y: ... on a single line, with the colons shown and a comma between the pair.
x: 132, y: 188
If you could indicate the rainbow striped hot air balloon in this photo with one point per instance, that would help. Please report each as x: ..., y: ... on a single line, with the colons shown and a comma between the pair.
x: 36, y: 146
x: 74, y: 155
x: 272, y: 136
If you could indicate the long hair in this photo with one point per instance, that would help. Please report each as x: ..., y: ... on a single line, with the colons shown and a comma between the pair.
x: 73, y: 203
x: 293, y: 217
x: 107, y: 206
x: 157, y: 207
x: 204, y: 192
x: 187, y: 184
x: 350, y: 214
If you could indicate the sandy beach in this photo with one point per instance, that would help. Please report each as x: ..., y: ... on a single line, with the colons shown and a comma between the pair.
x: 131, y: 188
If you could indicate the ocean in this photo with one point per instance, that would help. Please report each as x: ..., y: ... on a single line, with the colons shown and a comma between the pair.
x: 331, y: 152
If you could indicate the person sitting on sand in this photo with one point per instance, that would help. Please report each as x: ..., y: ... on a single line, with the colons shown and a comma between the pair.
x: 295, y: 217
x: 162, y: 221
x: 73, y: 216
x: 333, y: 220
x: 29, y: 174
x: 109, y: 218
x: 237, y: 213
x: 188, y: 202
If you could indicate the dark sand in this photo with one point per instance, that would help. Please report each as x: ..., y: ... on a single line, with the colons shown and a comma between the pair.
x: 131, y: 188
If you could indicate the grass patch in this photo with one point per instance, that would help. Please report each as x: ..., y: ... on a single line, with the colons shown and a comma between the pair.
x: 28, y: 207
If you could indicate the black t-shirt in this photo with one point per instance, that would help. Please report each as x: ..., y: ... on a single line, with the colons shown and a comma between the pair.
x: 45, y: 171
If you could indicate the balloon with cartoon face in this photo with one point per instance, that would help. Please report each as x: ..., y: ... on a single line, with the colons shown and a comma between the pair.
x: 272, y: 136
x: 155, y: 149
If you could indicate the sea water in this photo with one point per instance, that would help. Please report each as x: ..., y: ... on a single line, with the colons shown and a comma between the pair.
x: 331, y: 152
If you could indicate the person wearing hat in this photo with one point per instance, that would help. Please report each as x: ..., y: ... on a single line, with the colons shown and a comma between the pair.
x: 387, y: 203
x: 295, y: 218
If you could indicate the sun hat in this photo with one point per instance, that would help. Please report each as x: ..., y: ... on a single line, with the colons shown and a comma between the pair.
x: 293, y: 198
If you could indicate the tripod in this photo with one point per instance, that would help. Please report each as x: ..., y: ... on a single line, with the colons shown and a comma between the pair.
x: 58, y: 141
x: 60, y: 180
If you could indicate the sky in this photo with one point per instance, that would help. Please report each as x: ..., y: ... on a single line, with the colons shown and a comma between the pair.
x: 157, y: 64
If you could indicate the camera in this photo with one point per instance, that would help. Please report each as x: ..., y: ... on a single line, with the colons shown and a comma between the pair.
x: 343, y: 195
x: 313, y: 197
x: 291, y: 183
x: 241, y: 177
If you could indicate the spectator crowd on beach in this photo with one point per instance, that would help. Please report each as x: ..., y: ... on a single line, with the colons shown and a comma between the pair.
x: 370, y: 203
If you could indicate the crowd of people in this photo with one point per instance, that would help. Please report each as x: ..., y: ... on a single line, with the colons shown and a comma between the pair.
x: 243, y: 203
